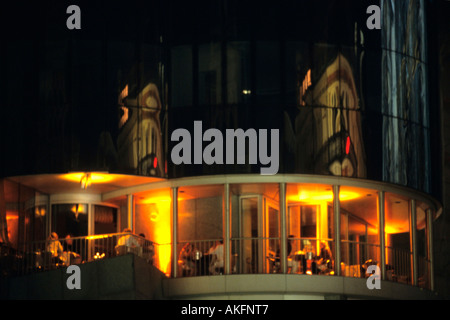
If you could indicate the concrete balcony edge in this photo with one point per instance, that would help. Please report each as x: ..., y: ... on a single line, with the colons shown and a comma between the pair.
x: 287, y: 286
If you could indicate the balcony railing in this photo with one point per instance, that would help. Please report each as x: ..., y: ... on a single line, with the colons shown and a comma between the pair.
x: 251, y: 256
x: 52, y: 254
x: 207, y: 257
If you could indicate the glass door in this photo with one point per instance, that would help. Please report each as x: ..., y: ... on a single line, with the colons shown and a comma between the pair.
x: 250, y: 234
x: 271, y: 236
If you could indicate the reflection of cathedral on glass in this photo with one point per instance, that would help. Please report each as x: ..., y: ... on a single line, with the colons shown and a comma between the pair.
x: 404, y: 94
x: 327, y: 129
x: 140, y: 137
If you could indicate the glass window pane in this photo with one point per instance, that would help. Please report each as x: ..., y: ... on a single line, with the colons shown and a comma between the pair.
x: 182, y: 76
x: 397, y: 228
x: 359, y: 230
x: 423, y: 274
x: 238, y: 72
x: 267, y: 72
x: 70, y: 219
x: 210, y: 74
x: 255, y: 228
x: 200, y: 230
x: 310, y: 228
x: 105, y: 219
x: 153, y: 216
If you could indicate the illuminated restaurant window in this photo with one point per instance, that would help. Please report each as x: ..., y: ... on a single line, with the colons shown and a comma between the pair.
x: 255, y: 228
x: 200, y: 229
x: 360, y: 245
x: 397, y: 234
x: 310, y: 228
x: 153, y: 222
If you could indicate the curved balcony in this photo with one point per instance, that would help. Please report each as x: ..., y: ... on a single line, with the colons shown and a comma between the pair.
x: 249, y: 225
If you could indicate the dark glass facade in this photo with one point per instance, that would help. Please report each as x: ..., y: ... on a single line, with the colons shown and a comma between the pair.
x: 348, y: 101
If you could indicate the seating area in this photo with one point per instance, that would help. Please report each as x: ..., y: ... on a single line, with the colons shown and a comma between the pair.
x: 55, y: 253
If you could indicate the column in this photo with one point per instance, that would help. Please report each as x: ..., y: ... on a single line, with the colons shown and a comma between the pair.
x: 226, y: 224
x: 381, y: 234
x: 413, y: 240
x: 283, y: 236
x: 337, y: 231
x: 130, y: 211
x: 174, y: 231
x: 430, y: 247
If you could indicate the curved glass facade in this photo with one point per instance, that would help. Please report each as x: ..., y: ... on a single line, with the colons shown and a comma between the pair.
x: 347, y: 101
x: 356, y: 183
x: 287, y: 224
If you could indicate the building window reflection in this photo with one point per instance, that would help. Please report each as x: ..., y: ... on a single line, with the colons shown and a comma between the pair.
x: 210, y: 74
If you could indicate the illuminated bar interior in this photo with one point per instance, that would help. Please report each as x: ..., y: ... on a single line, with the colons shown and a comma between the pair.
x: 251, y: 224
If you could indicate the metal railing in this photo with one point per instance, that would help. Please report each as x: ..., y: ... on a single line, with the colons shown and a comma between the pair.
x: 251, y: 256
x: 357, y: 256
x: 195, y: 258
x: 52, y: 254
x: 207, y: 257
x: 398, y: 265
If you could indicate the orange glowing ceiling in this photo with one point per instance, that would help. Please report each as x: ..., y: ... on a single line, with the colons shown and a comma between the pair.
x: 101, y: 182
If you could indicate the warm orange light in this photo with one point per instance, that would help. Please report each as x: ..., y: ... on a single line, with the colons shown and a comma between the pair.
x: 78, y: 209
x: 99, y: 236
x: 39, y: 212
x: 86, y: 181
x: 314, y: 197
x: 305, y: 85
x: 156, y: 200
x: 95, y: 177
x: 160, y: 225
x: 11, y: 216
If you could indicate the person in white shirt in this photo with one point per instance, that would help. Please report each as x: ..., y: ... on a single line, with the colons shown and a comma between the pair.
x: 54, y: 246
x: 216, y: 264
x: 128, y: 241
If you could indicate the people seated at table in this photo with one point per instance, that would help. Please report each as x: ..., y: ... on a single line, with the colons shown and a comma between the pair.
x: 148, y: 251
x: 324, y: 259
x: 55, y: 248
x: 216, y: 263
x: 69, y: 255
x: 307, y: 263
x: 185, y: 260
x: 127, y: 243
x: 276, y: 260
